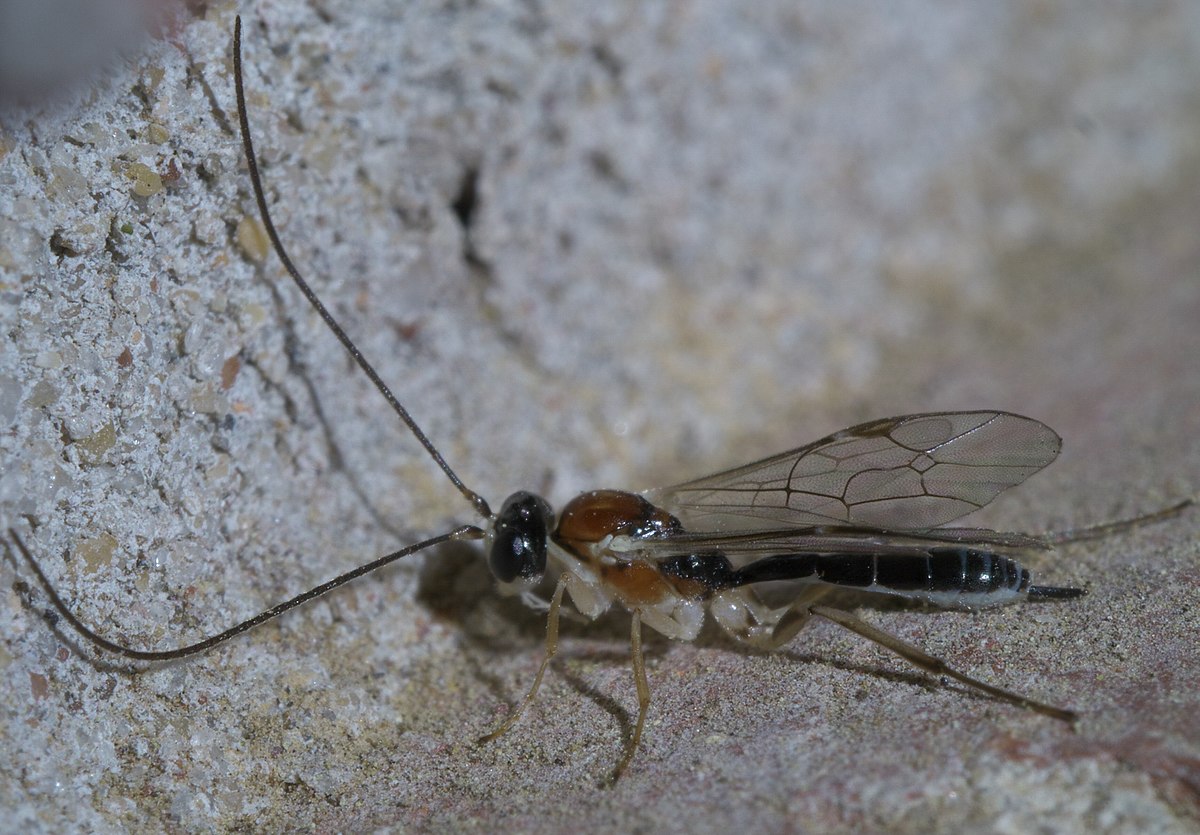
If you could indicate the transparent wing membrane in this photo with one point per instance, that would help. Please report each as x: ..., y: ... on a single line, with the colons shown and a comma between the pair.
x: 738, y: 546
x: 905, y: 473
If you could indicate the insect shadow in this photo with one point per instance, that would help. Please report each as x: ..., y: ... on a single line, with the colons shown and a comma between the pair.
x: 862, y: 509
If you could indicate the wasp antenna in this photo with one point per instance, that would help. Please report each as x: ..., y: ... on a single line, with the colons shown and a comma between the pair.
x: 1107, y: 529
x: 463, y: 532
x: 477, y: 501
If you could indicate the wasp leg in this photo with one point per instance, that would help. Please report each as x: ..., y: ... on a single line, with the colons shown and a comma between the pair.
x: 643, y: 692
x: 936, y: 666
x: 747, y: 618
x: 796, y: 616
x: 551, y: 649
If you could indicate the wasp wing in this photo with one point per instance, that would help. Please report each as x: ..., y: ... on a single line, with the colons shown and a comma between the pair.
x: 739, y: 546
x: 904, y: 473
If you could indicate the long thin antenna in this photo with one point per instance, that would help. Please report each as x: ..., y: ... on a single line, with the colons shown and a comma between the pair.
x: 477, y: 501
x: 463, y: 532
x: 1120, y: 526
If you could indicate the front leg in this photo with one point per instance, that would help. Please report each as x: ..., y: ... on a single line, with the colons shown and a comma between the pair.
x: 551, y: 650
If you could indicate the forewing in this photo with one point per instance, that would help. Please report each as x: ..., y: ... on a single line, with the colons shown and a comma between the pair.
x: 741, y: 546
x: 905, y: 473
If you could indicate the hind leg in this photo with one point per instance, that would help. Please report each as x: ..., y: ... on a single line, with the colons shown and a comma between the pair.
x: 936, y: 666
x: 744, y: 615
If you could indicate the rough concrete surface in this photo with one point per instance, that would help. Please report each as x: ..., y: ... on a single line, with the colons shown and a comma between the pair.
x: 612, y: 244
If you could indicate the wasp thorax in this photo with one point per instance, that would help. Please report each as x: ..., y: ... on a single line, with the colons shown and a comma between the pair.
x: 590, y: 517
x: 519, y: 539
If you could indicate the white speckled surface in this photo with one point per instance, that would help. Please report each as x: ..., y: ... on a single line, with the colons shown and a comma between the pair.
x: 704, y: 232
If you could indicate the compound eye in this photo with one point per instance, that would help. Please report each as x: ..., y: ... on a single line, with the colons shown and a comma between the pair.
x: 519, y: 539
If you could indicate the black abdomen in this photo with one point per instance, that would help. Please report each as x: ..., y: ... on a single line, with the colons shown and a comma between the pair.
x: 946, y: 576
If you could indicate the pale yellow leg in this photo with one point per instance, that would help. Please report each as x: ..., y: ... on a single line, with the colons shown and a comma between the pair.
x: 744, y: 615
x: 643, y: 691
x: 933, y: 665
x: 797, y: 614
x: 551, y: 649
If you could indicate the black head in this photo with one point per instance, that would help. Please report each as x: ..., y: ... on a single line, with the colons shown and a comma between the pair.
x: 519, y: 539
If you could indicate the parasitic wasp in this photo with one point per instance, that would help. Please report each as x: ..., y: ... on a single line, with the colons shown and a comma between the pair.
x: 758, y: 547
